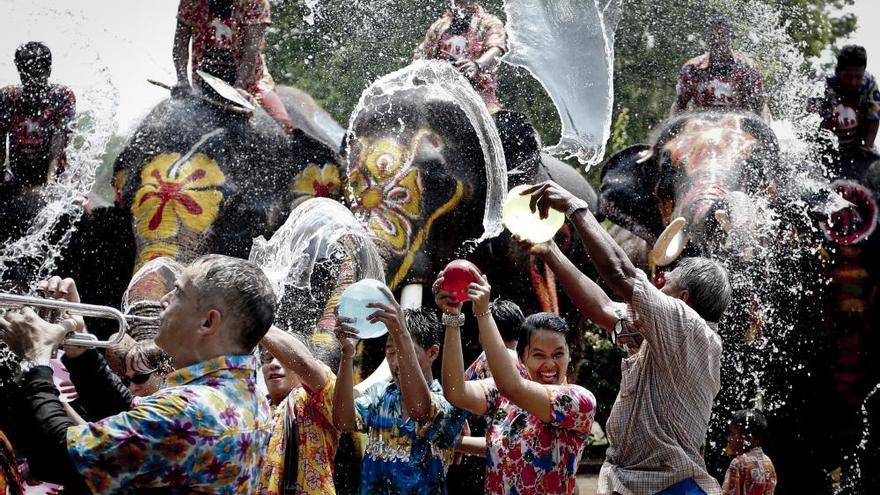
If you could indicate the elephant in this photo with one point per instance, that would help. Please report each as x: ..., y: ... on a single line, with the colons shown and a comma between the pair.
x: 194, y: 178
x: 704, y: 168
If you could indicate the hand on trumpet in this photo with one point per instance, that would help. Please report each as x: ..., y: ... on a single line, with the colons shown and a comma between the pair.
x: 31, y: 337
x: 65, y: 289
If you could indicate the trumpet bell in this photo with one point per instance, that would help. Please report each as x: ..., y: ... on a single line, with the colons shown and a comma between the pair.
x: 671, y: 243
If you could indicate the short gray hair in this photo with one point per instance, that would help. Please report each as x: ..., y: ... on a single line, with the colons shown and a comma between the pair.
x: 708, y: 286
x: 240, y: 290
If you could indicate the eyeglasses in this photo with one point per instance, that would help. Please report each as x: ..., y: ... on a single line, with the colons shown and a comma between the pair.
x: 139, y: 379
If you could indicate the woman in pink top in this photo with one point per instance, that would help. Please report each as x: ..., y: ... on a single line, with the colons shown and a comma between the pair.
x: 538, y: 425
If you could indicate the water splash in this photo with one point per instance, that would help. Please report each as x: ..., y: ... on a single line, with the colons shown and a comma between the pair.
x: 568, y: 46
x: 444, y: 83
x: 310, y: 234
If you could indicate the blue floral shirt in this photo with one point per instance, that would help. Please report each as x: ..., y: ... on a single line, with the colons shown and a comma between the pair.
x: 204, y: 433
x: 402, y: 456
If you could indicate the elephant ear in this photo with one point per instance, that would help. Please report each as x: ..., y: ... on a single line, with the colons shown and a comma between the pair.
x: 626, y: 192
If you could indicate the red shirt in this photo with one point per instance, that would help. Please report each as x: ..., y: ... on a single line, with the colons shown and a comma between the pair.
x: 215, y: 33
x: 31, y: 129
x: 751, y: 473
x: 737, y: 85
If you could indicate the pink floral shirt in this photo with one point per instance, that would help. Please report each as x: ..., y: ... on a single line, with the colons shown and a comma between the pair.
x: 215, y: 33
x: 527, y: 455
x: 484, y: 32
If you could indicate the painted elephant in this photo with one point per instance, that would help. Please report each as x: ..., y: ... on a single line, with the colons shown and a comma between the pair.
x: 705, y: 168
x: 196, y: 178
x: 427, y: 174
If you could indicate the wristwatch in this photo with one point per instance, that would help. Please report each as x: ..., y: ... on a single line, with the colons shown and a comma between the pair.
x: 452, y: 320
x: 617, y: 330
x: 576, y: 204
x: 27, y: 365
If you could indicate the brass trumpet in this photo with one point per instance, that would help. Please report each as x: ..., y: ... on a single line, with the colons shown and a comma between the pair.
x: 15, y: 301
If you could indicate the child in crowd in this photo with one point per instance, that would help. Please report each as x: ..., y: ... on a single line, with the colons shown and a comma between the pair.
x: 539, y: 425
x: 412, y: 430
x: 751, y: 472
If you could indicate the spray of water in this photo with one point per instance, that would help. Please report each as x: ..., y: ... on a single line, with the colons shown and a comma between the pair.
x: 444, y: 83
x: 568, y: 46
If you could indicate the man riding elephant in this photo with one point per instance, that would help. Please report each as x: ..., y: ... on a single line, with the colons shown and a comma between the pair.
x: 722, y: 79
x: 37, y: 118
x: 228, y: 37
x: 473, y: 40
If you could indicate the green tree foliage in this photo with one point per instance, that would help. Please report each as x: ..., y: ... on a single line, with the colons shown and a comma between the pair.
x: 333, y: 49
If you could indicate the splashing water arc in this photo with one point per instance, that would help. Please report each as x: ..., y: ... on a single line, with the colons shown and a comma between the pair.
x: 568, y: 45
x: 445, y: 83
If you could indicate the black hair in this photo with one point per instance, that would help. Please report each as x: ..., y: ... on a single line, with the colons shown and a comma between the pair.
x: 508, y: 318
x: 852, y: 56
x: 720, y: 23
x: 750, y: 422
x: 540, y: 321
x: 33, y: 55
x: 461, y: 22
x: 424, y: 326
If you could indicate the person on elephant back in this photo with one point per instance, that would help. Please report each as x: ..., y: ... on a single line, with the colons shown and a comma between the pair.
x: 722, y: 78
x: 473, y: 40
x: 37, y: 119
x: 850, y: 107
x: 227, y: 41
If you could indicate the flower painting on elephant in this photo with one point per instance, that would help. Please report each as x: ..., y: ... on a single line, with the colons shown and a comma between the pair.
x: 179, y: 198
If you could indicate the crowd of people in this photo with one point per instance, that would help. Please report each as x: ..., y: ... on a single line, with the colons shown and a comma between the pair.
x: 189, y: 415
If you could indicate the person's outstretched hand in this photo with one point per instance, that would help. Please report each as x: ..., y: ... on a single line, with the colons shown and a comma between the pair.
x: 546, y: 195
x: 479, y: 293
x: 445, y: 300
x: 390, y: 313
x: 31, y: 337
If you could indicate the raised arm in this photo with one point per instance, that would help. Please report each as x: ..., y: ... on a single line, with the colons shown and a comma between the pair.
x: 460, y: 393
x: 414, y: 390
x: 343, y: 395
x: 610, y: 260
x: 586, y: 295
x: 294, y: 355
x: 529, y: 395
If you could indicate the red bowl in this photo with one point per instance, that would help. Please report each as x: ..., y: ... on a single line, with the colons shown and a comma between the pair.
x: 456, y: 278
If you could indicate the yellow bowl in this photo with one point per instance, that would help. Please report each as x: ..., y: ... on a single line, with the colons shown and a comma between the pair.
x: 522, y: 222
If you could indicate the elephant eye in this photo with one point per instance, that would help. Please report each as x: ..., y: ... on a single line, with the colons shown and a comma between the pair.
x: 385, y: 161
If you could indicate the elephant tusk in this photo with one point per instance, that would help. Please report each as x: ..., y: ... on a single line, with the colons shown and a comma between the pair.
x: 645, y: 156
x: 671, y: 243
x: 411, y: 296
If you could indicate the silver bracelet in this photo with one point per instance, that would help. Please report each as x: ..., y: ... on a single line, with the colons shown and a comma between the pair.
x: 577, y: 204
x: 453, y: 320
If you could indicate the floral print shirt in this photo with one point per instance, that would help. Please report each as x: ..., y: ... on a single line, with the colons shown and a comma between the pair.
x: 527, y: 455
x: 751, y: 473
x: 484, y: 32
x: 737, y: 86
x: 403, y: 456
x: 318, y: 440
x: 214, y: 33
x: 204, y: 433
x: 479, y: 369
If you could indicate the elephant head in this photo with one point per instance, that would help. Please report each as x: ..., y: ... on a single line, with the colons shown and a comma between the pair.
x: 707, y: 169
x: 426, y: 172
x: 197, y: 179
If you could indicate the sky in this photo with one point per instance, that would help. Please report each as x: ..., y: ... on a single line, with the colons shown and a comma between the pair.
x: 119, y: 44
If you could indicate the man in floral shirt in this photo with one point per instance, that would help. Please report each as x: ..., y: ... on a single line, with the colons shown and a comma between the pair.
x: 227, y: 42
x: 299, y: 459
x: 722, y: 79
x: 411, y: 428
x: 472, y: 39
x: 205, y: 432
